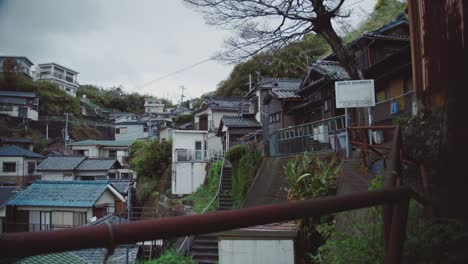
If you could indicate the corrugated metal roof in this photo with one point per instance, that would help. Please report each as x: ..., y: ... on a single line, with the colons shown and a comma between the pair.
x: 17, y: 94
x: 330, y: 69
x: 15, y: 151
x: 61, y: 194
x: 97, y: 164
x: 239, y: 121
x: 284, y: 94
x: 107, y: 143
x: 62, y: 163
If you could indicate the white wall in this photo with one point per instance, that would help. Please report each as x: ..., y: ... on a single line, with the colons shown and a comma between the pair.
x: 187, y: 176
x: 21, y: 168
x: 214, y: 143
x: 32, y: 114
x: 55, y: 176
x: 256, y: 251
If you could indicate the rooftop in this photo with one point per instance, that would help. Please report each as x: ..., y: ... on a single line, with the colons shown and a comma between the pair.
x: 91, y: 164
x: 18, y: 58
x: 60, y: 163
x: 61, y: 194
x: 106, y: 143
x: 222, y: 103
x: 60, y: 66
x: 17, y: 94
x: 15, y: 140
x: 239, y: 121
x: 329, y: 69
x: 284, y: 94
x: 6, y: 193
x: 15, y: 151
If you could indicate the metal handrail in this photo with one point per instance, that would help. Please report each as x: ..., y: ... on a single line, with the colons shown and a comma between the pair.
x: 109, y: 236
x: 209, y: 204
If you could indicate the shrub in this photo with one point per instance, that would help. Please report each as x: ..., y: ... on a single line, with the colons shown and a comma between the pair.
x: 172, y: 257
x: 243, y: 173
x: 145, y: 187
x: 235, y: 153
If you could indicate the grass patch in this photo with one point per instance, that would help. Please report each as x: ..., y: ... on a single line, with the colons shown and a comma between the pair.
x: 205, y: 193
x: 243, y: 173
x: 172, y: 257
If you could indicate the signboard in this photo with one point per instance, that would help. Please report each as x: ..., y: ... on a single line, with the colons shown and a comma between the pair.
x: 358, y: 93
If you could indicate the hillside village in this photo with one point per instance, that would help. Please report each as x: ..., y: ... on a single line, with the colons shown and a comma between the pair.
x: 77, y: 156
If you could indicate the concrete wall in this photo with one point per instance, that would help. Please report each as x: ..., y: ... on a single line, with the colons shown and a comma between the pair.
x: 56, y: 176
x: 256, y: 251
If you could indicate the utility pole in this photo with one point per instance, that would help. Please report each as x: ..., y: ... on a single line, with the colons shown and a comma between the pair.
x: 66, y: 137
x: 182, y: 96
x: 47, y: 128
x: 250, y: 82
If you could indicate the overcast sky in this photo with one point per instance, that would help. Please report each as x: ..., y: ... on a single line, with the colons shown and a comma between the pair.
x: 128, y: 43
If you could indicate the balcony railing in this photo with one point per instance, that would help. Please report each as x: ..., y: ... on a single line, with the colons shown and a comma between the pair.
x: 311, y: 137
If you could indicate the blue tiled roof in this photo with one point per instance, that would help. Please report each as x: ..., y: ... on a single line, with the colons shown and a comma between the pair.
x: 14, y: 151
x: 61, y: 194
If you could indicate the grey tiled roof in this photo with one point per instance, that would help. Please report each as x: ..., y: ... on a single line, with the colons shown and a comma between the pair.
x: 107, y: 143
x: 223, y: 103
x: 284, y: 94
x: 15, y: 151
x: 6, y: 193
x: 329, y: 69
x: 280, y: 83
x: 15, y: 140
x: 62, y: 163
x: 97, y: 164
x: 121, y: 185
x: 239, y: 121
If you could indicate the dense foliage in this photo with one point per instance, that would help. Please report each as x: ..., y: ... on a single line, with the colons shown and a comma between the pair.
x: 427, y: 241
x: 205, y: 193
x: 115, y: 98
x: 244, y: 169
x: 151, y: 160
x: 312, y: 176
x: 52, y: 100
x: 172, y: 257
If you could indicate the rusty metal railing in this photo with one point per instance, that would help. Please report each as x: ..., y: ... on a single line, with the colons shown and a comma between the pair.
x: 109, y: 236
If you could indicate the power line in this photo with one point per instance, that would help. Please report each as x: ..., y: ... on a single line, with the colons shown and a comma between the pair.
x: 209, y: 59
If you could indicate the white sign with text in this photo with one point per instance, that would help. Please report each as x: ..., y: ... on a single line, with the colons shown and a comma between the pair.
x: 357, y: 93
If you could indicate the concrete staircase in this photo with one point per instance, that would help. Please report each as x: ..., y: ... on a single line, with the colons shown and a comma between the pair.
x: 204, y: 248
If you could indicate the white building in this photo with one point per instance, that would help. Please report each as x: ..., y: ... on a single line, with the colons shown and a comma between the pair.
x: 189, y: 160
x: 19, y: 104
x: 153, y: 105
x: 64, y: 77
x: 16, y: 64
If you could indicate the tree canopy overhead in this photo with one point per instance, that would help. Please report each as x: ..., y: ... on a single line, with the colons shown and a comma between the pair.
x: 262, y: 25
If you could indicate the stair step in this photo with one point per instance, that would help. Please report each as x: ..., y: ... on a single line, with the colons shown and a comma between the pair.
x: 208, y: 255
x: 205, y: 248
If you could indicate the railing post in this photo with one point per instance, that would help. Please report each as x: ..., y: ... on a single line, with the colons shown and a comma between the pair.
x: 394, y: 246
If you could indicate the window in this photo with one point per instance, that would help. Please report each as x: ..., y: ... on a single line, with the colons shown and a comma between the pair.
x: 121, y: 130
x: 126, y: 175
x: 145, y: 129
x: 111, y: 175
x: 7, y: 108
x: 182, y: 155
x: 9, y: 166
x: 198, y: 151
x: 31, y: 167
x: 79, y: 218
x: 274, y: 118
x: 113, y: 154
x: 79, y: 152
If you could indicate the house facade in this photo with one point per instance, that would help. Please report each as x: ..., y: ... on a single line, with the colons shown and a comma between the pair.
x: 37, y: 208
x: 18, y: 165
x: 131, y: 130
x: 233, y: 128
x: 189, y: 160
x: 153, y: 105
x: 6, y: 194
x: 64, y: 77
x: 25, y: 143
x: 19, y: 104
x: 117, y: 149
x: 16, y: 64
x: 209, y: 115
